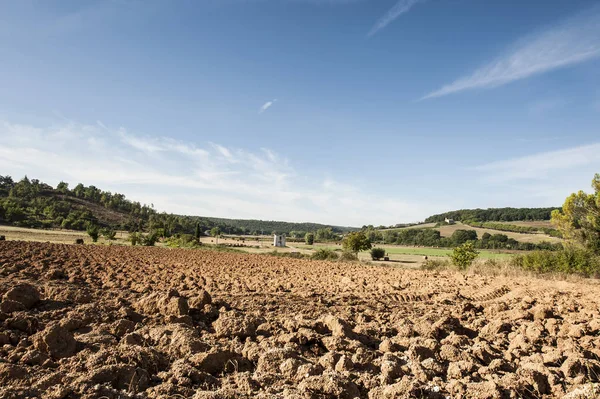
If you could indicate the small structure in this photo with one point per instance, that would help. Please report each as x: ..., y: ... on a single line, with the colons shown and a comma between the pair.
x: 278, y: 240
x: 449, y: 221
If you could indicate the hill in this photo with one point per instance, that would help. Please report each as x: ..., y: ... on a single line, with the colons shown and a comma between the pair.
x: 32, y: 203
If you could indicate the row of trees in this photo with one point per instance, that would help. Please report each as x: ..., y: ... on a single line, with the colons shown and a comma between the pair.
x: 433, y: 238
x: 494, y: 214
x: 514, y: 228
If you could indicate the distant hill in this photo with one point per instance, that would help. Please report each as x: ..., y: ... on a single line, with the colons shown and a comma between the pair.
x: 494, y: 215
x: 31, y: 203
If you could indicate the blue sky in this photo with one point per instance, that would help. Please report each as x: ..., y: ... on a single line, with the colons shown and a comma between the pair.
x: 347, y: 112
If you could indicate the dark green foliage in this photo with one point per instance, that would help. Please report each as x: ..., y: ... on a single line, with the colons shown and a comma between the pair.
x: 377, y: 253
x: 464, y: 255
x: 324, y: 254
x: 459, y: 237
x: 570, y: 260
x: 93, y: 231
x: 356, y: 242
x: 309, y: 238
x: 494, y: 214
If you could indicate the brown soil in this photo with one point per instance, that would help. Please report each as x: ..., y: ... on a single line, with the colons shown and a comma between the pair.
x: 127, y: 322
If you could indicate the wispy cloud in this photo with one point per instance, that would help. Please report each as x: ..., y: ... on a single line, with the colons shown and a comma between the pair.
x: 401, y: 7
x: 188, y: 178
x: 573, y: 41
x: 544, y: 165
x: 266, y: 106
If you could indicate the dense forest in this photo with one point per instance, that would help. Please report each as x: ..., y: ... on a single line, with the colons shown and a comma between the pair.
x: 32, y: 203
x: 494, y: 215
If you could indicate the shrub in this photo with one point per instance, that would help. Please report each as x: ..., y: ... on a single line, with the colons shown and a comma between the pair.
x: 149, y: 240
x: 183, y: 241
x: 570, y: 260
x: 377, y: 253
x: 348, y: 256
x: 135, y: 238
x: 309, y: 238
x: 93, y: 232
x: 109, y: 234
x: 435, y: 264
x: 324, y: 254
x: 464, y: 255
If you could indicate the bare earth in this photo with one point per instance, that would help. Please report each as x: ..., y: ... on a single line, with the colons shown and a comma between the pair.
x: 130, y: 322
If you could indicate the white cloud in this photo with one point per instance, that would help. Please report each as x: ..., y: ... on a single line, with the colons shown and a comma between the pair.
x: 266, y: 106
x: 401, y: 7
x: 544, y: 165
x: 182, y: 177
x: 538, y: 180
x: 574, y: 41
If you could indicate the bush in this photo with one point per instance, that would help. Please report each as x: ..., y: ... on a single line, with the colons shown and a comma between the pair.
x: 93, y: 232
x: 570, y: 260
x: 348, y: 256
x: 435, y: 264
x: 324, y: 254
x: 149, y: 240
x: 135, y: 238
x: 464, y: 255
x: 109, y: 234
x: 309, y: 238
x: 183, y: 241
x: 377, y: 253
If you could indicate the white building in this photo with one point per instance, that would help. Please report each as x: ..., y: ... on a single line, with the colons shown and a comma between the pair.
x: 278, y: 240
x: 449, y: 221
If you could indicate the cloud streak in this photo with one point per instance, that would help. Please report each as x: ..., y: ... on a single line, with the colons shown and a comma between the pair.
x: 572, y: 42
x: 401, y: 7
x: 266, y: 106
x: 544, y: 165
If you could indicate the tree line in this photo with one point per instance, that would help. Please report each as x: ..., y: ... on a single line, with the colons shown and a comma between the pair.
x: 429, y: 237
x: 494, y: 214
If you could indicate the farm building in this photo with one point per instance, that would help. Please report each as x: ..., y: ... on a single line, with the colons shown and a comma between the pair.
x: 278, y: 240
x: 449, y: 221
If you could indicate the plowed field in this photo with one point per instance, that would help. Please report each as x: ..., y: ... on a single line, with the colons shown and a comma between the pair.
x: 129, y: 322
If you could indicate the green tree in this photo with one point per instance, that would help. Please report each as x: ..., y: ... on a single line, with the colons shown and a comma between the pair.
x: 93, y: 231
x: 309, y: 238
x: 579, y: 219
x: 460, y: 237
x: 356, y: 242
x: 377, y: 253
x: 63, y: 187
x: 215, y: 231
x: 464, y: 255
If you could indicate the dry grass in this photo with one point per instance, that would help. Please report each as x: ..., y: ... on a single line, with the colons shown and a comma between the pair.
x: 55, y: 236
x: 447, y: 231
